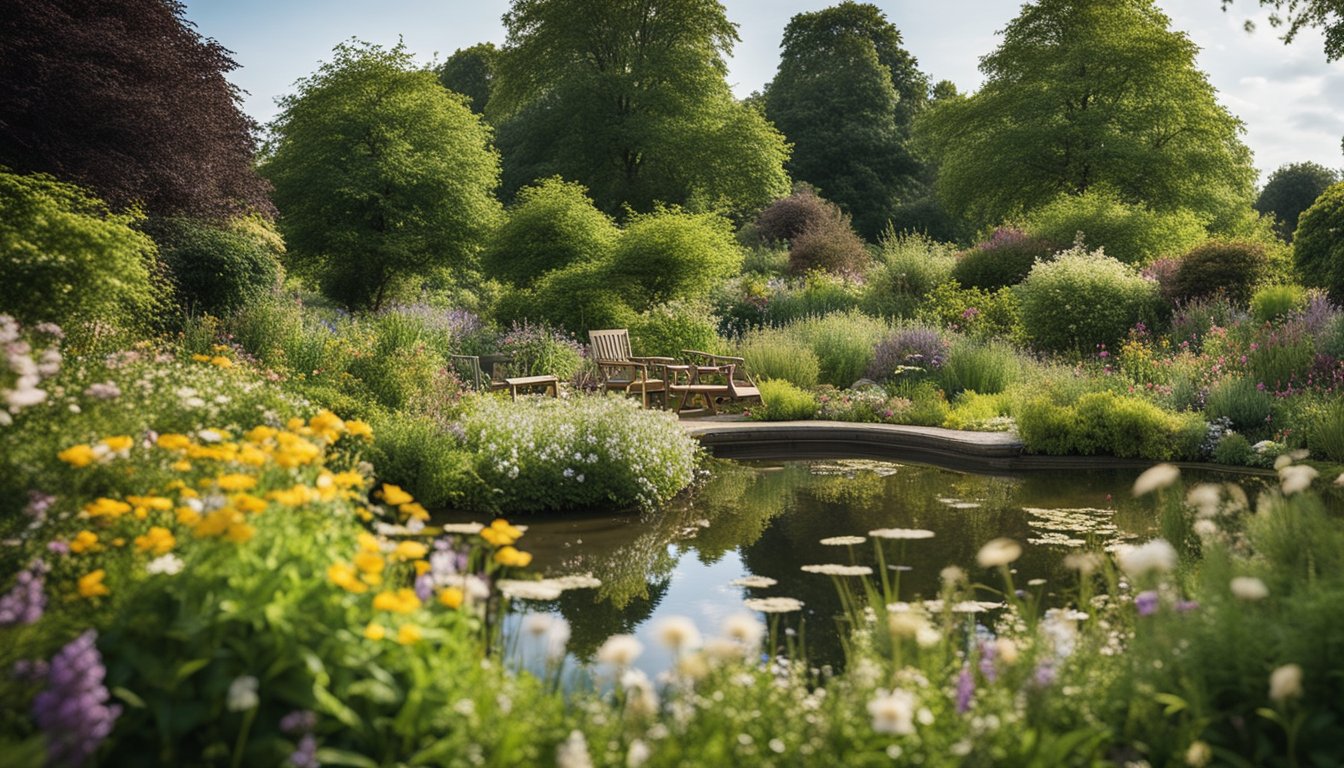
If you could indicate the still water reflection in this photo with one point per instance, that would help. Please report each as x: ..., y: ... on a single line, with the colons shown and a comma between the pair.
x: 767, y: 519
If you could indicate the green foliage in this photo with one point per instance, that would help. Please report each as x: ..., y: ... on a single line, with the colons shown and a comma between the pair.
x: 471, y: 72
x: 218, y: 269
x: 1080, y: 95
x: 1004, y: 259
x: 1281, y: 356
x: 775, y: 354
x: 537, y: 350
x: 1131, y: 233
x: 666, y: 329
x: 67, y: 259
x: 416, y: 453
x: 984, y: 368
x: 844, y: 96
x: 783, y: 401
x: 1235, y: 450
x: 547, y: 454
x: 1275, y: 302
x: 632, y: 103
x: 818, y: 293
x: 550, y: 226
x: 843, y: 343
x: 1240, y: 401
x: 578, y: 298
x: 928, y: 405
x: 1325, y: 431
x: 673, y: 254
x: 1290, y: 190
x: 975, y: 312
x: 984, y: 413
x: 380, y: 174
x: 1318, y: 251
x: 829, y: 246
x: 910, y: 266
x: 1230, y: 268
x: 1107, y: 423
x: 1082, y: 299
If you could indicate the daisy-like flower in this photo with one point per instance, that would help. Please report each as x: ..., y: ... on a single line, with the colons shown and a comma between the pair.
x: 678, y: 633
x: 774, y: 604
x: 998, y: 552
x: 1156, y: 478
x: 843, y: 541
x: 620, y: 651
x: 901, y: 533
x: 893, y: 712
x: 836, y: 569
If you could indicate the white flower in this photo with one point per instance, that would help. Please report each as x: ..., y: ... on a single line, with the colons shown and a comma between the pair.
x: 242, y: 694
x: 1295, y: 478
x: 620, y: 650
x: 1155, y: 478
x: 743, y: 628
x: 640, y: 698
x: 774, y: 604
x: 1204, y: 498
x: 470, y: 529
x: 557, y: 639
x: 537, y: 624
x: 998, y: 552
x: 1285, y: 683
x: 843, y: 541
x: 901, y: 533
x: 1156, y: 555
x: 754, y: 582
x: 906, y: 623
x: 836, y: 569
x: 1205, y: 528
x: 951, y: 576
x: 573, y: 752
x: 678, y: 633
x: 893, y: 713
x: 518, y: 589
x: 638, y: 755
x: 1249, y: 588
x: 1198, y: 754
x: 168, y: 564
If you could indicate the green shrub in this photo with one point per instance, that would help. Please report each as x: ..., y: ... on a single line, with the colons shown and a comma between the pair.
x: 1281, y: 356
x: 782, y: 401
x: 1048, y: 427
x: 667, y: 329
x: 766, y: 260
x: 216, y: 269
x: 420, y: 456
x: 911, y: 266
x: 1325, y: 431
x: 582, y: 452
x: 1230, y: 268
x: 552, y: 225
x: 775, y: 354
x: 539, y: 350
x: 985, y: 368
x: 1106, y: 423
x: 1318, y: 250
x: 1004, y: 259
x: 819, y: 293
x: 1129, y: 233
x: 67, y: 259
x: 828, y: 246
x: 1082, y: 299
x: 1243, y: 403
x: 671, y: 254
x: 578, y: 298
x: 1275, y: 302
x: 1234, y: 449
x: 788, y: 217
x: 982, y: 413
x: 928, y: 405
x: 972, y: 311
x: 844, y: 343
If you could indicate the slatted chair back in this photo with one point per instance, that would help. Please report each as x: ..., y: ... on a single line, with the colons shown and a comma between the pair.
x: 611, y: 344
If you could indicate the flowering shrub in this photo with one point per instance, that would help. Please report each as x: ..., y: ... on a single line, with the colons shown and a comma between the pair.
x: 538, y: 350
x: 543, y: 453
x: 1082, y: 299
x: 867, y: 404
x: 972, y: 311
x: 1002, y: 260
x: 915, y: 346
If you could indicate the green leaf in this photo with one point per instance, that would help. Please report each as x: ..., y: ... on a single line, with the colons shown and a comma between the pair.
x: 129, y: 697
x: 332, y: 756
x: 1171, y: 703
x: 188, y: 668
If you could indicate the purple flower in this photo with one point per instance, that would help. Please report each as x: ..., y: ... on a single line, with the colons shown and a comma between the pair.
x: 1044, y: 676
x: 1146, y: 603
x: 299, y: 721
x: 73, y: 709
x: 24, y: 603
x: 917, y: 345
x: 1186, y: 606
x: 424, y: 587
x: 965, y: 689
x: 305, y: 754
x: 987, y: 669
x: 29, y: 670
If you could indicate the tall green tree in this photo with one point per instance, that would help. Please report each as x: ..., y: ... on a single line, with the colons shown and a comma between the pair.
x: 845, y: 96
x: 1293, y: 16
x: 628, y: 98
x: 380, y: 174
x: 1088, y: 93
x: 471, y: 72
x: 1291, y: 190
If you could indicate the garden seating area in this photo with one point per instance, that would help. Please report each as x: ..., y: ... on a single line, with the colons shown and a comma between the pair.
x: 712, y: 379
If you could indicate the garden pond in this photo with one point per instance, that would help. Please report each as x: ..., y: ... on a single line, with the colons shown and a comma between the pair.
x: 755, y: 522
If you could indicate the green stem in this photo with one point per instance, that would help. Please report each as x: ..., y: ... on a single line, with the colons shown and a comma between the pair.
x: 243, y: 732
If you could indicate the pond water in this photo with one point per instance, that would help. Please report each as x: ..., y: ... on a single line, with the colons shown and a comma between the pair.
x: 759, y: 518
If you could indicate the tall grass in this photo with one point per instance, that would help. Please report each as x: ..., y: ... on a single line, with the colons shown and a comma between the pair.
x: 984, y: 368
x: 844, y: 344
x: 773, y: 353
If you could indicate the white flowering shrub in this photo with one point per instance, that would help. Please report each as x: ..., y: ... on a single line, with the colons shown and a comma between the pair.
x: 1082, y: 299
x: 543, y: 453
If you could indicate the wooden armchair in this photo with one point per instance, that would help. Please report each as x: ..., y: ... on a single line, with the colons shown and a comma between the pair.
x: 482, y: 372
x: 621, y: 371
x: 715, y: 379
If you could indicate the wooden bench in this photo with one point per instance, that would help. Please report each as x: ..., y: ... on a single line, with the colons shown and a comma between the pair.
x: 712, y: 378
x: 538, y: 384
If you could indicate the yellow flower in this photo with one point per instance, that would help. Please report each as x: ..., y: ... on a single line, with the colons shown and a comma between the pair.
x: 77, y: 455
x: 118, y: 443
x: 343, y: 576
x: 512, y: 557
x: 253, y: 456
x: 414, y: 510
x: 403, y: 600
x: 198, y: 357
x: 84, y: 541
x: 182, y: 465
x: 236, y: 482
x: 359, y: 429
x: 248, y: 503
x: 144, y: 504
x: 409, y: 634
x: 500, y: 533
x: 159, y: 541
x: 173, y: 442
x: 221, y: 361
x: 187, y: 516
x: 105, y: 507
x: 375, y: 631
x: 347, y: 479
x: 260, y: 434
x: 240, y: 533
x: 294, y: 451
x: 421, y: 567
x: 296, y: 496
x: 91, y: 584
x: 452, y: 596
x: 410, y: 550
x: 394, y: 495
x: 327, y: 424
x: 368, y: 542
x: 369, y: 562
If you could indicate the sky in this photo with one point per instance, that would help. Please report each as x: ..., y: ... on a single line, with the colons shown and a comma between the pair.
x: 1289, y: 97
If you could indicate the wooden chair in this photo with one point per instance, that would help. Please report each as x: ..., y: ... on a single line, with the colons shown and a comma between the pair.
x: 482, y: 372
x: 713, y: 379
x: 621, y: 371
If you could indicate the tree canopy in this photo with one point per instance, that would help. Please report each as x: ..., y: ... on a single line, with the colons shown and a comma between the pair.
x: 471, y: 72
x: 551, y: 225
x: 379, y: 174
x: 1293, y: 16
x: 128, y: 100
x: 1082, y: 93
x: 845, y: 95
x: 629, y: 99
x: 1291, y: 190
